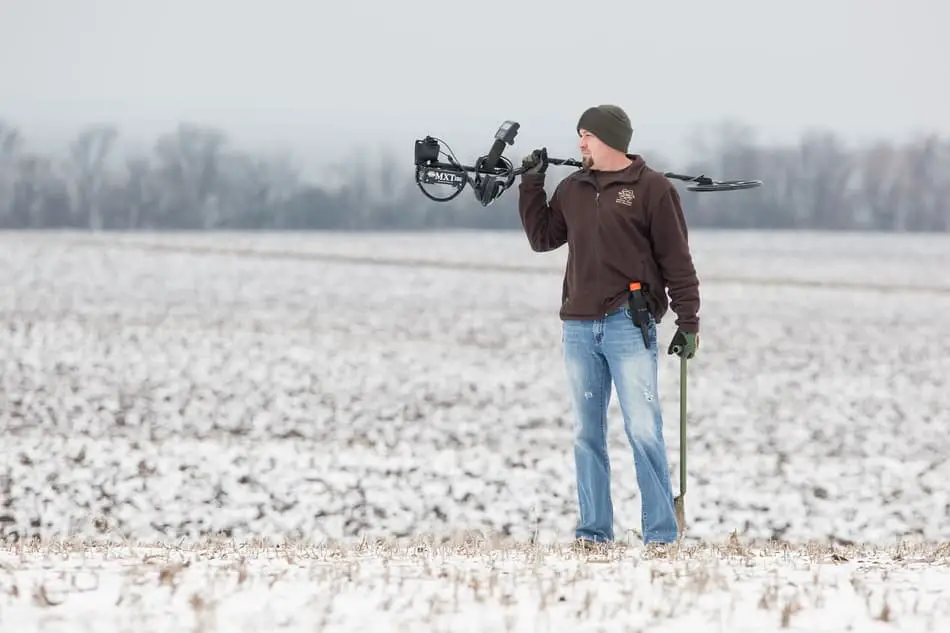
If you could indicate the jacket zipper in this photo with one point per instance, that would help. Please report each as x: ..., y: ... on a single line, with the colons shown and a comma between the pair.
x: 598, y: 229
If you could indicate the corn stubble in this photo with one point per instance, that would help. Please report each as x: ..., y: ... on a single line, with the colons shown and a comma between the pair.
x: 472, y: 582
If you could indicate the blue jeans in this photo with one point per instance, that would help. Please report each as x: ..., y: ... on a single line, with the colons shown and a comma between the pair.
x: 598, y: 353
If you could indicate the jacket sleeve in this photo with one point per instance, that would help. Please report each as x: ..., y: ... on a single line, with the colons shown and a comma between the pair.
x: 669, y: 234
x: 543, y: 222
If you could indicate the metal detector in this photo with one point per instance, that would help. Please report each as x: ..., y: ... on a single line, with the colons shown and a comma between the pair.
x: 493, y: 173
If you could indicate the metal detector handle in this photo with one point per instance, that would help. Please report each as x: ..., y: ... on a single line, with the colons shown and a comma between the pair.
x: 567, y: 162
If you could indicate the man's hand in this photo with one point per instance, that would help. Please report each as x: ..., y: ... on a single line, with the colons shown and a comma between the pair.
x: 684, y: 344
x: 536, y: 162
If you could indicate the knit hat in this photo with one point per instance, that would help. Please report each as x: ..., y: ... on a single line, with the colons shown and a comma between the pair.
x: 609, y: 123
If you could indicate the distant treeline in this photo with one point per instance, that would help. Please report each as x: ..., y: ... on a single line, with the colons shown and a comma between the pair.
x: 194, y: 178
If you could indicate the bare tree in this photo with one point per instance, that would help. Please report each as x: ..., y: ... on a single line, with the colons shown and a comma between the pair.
x: 40, y: 195
x: 188, y: 168
x: 878, y: 201
x: 141, y: 194
x: 926, y: 184
x: 88, y: 156
x: 10, y: 144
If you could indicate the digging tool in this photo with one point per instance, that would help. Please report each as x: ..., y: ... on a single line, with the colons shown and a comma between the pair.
x: 494, y: 173
x: 679, y: 503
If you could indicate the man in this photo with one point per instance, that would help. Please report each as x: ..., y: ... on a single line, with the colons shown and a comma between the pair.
x: 624, y: 227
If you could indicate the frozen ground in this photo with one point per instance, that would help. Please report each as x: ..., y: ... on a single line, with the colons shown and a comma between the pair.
x: 470, y: 585
x: 176, y: 387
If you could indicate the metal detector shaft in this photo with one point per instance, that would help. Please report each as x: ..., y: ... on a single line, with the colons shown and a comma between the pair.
x: 499, y: 171
x: 698, y: 183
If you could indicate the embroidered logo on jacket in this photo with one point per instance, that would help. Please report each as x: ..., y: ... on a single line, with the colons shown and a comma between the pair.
x: 625, y: 197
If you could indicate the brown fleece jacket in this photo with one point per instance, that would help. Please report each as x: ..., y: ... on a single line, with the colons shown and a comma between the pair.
x: 620, y: 227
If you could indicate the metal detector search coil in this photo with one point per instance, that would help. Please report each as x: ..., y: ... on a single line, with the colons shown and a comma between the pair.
x: 494, y: 173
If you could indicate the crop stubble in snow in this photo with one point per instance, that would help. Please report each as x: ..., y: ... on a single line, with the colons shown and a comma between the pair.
x: 467, y: 583
x: 168, y: 392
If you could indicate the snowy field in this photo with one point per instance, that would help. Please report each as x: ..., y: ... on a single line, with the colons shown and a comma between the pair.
x: 331, y: 432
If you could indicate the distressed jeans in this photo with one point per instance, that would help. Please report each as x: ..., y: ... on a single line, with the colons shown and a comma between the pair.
x: 597, y: 354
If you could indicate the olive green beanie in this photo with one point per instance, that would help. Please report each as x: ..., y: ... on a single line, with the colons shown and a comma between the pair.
x: 609, y: 123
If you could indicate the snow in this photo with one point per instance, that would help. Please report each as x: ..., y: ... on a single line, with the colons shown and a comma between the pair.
x: 174, y: 388
x: 470, y: 584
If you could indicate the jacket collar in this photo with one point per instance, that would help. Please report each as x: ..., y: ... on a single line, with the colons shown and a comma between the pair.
x: 631, y: 174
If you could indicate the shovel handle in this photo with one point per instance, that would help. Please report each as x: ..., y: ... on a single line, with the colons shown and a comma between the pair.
x: 683, y: 425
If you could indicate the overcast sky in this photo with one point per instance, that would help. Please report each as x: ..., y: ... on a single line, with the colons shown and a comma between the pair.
x: 319, y: 77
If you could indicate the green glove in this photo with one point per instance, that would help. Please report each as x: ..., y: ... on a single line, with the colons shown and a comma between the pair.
x: 684, y: 344
x: 536, y: 162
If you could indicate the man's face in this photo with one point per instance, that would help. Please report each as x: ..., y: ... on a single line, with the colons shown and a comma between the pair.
x: 592, y: 149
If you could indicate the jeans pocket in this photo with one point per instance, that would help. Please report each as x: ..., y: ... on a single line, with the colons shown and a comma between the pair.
x: 635, y: 330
